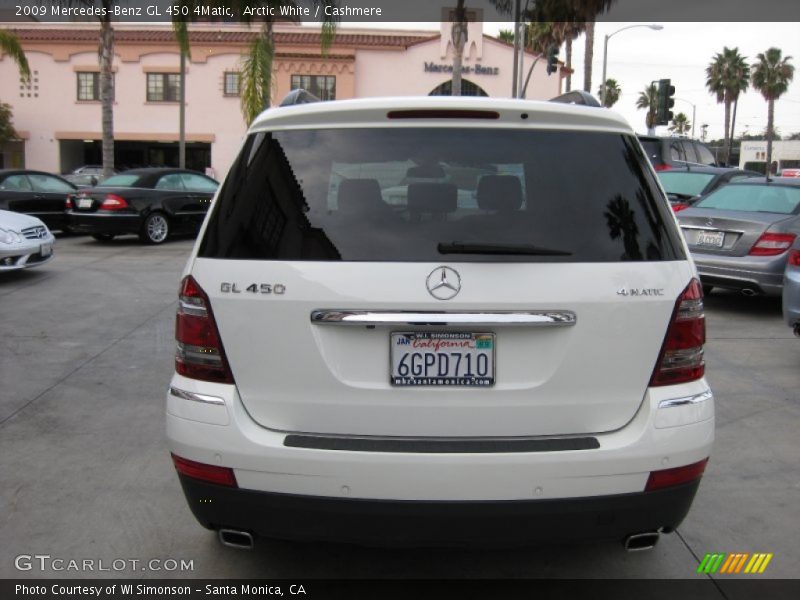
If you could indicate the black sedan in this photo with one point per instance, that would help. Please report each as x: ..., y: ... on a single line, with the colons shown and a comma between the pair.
x: 36, y: 193
x: 153, y: 203
x: 685, y: 185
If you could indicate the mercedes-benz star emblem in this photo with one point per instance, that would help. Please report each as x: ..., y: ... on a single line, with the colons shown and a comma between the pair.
x: 444, y: 283
x: 709, y: 222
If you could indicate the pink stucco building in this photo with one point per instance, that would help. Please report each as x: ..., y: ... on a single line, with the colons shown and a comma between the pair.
x: 57, y: 114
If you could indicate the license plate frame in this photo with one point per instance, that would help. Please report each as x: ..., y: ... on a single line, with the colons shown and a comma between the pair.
x: 453, y: 345
x: 711, y: 239
x: 84, y: 203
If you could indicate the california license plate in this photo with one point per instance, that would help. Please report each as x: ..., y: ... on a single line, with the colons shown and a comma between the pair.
x: 442, y: 359
x: 84, y: 203
x: 711, y: 238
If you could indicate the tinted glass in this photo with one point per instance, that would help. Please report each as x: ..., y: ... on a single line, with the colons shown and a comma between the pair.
x: 704, y: 155
x: 173, y: 181
x: 688, y: 151
x: 685, y: 184
x: 16, y: 183
x: 401, y: 194
x: 121, y: 181
x: 45, y: 183
x: 198, y: 183
x: 754, y: 198
x: 653, y: 150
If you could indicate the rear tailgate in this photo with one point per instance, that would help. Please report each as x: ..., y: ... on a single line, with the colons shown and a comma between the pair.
x: 294, y: 375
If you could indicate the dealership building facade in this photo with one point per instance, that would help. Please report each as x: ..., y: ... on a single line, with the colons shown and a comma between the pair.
x: 57, y: 112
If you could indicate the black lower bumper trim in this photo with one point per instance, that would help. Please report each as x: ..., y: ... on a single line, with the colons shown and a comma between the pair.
x: 438, y: 446
x: 436, y: 523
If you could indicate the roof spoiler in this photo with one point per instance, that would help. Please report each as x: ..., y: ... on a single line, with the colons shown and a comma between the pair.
x: 577, y: 97
x: 298, y: 96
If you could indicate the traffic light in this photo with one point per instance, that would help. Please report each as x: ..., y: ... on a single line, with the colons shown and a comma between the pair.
x: 666, y: 100
x: 552, y: 60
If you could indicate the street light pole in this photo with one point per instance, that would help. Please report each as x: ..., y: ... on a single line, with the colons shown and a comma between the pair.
x: 654, y: 27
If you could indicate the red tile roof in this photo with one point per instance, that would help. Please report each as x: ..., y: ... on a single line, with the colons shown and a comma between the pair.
x: 220, y: 37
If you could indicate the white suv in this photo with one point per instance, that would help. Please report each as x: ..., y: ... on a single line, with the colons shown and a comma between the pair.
x: 440, y: 321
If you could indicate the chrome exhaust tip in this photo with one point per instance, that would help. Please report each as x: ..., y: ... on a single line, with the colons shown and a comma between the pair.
x: 234, y: 538
x: 642, y: 541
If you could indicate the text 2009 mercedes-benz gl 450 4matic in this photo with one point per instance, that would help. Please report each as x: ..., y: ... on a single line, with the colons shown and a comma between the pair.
x: 413, y: 321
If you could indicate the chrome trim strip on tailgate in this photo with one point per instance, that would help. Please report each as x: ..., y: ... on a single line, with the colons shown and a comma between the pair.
x: 549, y: 318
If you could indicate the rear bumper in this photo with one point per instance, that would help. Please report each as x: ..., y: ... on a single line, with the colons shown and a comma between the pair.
x: 104, y: 222
x: 287, y: 491
x: 762, y: 274
x: 398, y: 523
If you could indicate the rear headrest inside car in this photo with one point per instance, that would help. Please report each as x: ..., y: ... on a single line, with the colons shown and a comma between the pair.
x: 432, y: 197
x: 361, y: 196
x: 501, y: 193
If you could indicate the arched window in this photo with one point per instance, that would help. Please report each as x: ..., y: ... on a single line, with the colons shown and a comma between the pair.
x: 467, y: 89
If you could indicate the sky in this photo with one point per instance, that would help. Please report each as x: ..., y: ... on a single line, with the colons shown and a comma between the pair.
x: 680, y: 52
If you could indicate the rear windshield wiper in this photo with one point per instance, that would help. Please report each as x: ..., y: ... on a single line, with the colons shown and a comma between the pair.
x: 490, y: 248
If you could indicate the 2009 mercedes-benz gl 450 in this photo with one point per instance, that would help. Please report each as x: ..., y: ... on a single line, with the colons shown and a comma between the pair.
x: 440, y: 320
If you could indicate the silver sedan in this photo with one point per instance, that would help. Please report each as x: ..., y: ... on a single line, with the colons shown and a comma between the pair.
x: 24, y: 241
x: 740, y: 234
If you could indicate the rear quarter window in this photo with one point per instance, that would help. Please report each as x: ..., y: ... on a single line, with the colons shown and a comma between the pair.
x: 415, y: 194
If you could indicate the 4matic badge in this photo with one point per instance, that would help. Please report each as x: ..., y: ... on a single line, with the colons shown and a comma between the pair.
x: 633, y: 292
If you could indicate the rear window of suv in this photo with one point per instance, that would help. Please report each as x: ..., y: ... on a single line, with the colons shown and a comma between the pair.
x: 423, y: 194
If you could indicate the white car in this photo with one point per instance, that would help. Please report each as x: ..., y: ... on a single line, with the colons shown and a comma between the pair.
x: 526, y: 368
x: 24, y: 241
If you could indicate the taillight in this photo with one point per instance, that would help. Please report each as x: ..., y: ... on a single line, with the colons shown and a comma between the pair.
x: 772, y: 244
x: 199, y: 352
x: 68, y: 205
x: 671, y: 477
x: 113, y: 202
x: 679, y: 206
x: 204, y: 472
x: 794, y: 258
x: 663, y: 167
x: 681, y: 357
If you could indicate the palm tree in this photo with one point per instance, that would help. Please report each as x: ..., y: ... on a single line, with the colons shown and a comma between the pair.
x: 680, y: 124
x: 771, y: 77
x: 9, y: 44
x: 458, y: 35
x: 576, y: 28
x: 613, y: 92
x: 588, y: 55
x: 506, y: 35
x: 105, y: 53
x: 648, y: 100
x: 256, y: 73
x: 727, y: 76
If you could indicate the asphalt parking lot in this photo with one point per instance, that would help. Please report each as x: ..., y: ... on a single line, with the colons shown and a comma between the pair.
x: 86, y: 345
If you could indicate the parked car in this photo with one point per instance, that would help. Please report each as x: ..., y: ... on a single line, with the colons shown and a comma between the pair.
x: 25, y: 241
x: 791, y: 289
x: 740, y: 234
x: 87, y: 175
x: 522, y: 364
x: 36, y: 193
x: 153, y: 203
x: 670, y: 152
x: 686, y: 185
